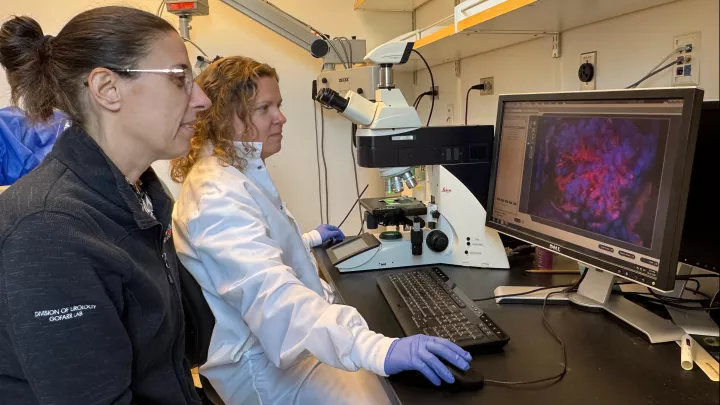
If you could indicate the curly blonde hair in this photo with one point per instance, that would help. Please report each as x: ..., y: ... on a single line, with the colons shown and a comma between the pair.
x: 231, y: 84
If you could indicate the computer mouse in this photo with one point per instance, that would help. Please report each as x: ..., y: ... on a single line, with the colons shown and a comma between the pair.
x: 470, y: 380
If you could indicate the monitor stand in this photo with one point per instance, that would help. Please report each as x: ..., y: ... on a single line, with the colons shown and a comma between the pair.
x: 692, y: 322
x: 595, y: 293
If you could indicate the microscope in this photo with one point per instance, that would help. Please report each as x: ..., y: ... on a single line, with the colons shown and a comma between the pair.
x: 447, y: 229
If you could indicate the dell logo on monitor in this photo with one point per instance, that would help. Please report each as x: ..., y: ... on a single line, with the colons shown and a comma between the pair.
x: 555, y: 248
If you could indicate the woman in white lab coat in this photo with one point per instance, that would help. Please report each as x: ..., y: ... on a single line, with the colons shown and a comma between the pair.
x: 278, y: 337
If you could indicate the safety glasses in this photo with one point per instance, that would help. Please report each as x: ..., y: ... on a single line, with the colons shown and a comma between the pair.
x: 187, y: 75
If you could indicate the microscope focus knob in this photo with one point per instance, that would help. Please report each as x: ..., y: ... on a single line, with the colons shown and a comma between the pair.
x: 437, y: 241
x: 435, y: 214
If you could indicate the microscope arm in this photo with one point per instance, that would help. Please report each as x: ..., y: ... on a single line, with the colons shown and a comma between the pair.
x: 389, y: 115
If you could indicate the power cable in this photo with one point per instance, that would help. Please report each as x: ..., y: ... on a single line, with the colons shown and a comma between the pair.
x: 160, y: 9
x: 357, y: 184
x: 480, y: 86
x: 353, y: 206
x: 322, y: 148
x: 419, y: 98
x: 350, y: 61
x: 347, y: 56
x: 197, y: 47
x: 432, y: 83
x: 656, y: 299
x: 329, y: 42
x: 691, y: 276
x: 317, y: 153
x: 665, y: 301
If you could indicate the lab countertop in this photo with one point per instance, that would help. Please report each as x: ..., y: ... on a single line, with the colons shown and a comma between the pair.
x: 608, y: 363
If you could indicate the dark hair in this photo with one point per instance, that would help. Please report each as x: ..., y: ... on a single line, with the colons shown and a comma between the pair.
x: 47, y: 73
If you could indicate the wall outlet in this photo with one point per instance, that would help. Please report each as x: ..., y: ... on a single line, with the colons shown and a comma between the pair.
x: 687, y: 70
x: 437, y: 93
x: 449, y: 114
x: 588, y: 74
x: 489, y: 83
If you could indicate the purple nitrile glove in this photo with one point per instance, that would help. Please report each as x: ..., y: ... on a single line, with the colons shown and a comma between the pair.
x: 421, y: 352
x: 328, y: 232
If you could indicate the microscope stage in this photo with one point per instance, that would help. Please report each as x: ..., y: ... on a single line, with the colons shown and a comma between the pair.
x: 393, y: 206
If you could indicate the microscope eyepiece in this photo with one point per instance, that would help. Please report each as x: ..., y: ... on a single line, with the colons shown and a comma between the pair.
x: 331, y: 99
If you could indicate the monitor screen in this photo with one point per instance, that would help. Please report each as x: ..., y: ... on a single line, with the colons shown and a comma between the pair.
x: 700, y: 245
x: 591, y: 177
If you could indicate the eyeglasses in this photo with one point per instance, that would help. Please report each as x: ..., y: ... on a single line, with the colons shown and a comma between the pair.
x: 187, y: 78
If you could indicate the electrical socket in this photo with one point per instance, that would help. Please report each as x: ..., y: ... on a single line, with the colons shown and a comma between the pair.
x: 489, y: 86
x: 449, y: 115
x: 591, y: 58
x: 437, y: 93
x: 687, y: 72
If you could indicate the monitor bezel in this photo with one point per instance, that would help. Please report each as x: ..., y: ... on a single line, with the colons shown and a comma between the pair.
x: 713, y: 105
x: 692, y: 106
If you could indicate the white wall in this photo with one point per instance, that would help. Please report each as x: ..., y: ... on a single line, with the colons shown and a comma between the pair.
x: 228, y: 32
x: 627, y: 47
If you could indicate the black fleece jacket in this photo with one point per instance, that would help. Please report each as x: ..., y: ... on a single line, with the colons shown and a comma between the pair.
x: 90, y: 309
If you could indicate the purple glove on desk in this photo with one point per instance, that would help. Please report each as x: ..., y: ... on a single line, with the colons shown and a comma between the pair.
x: 421, y: 352
x: 328, y: 232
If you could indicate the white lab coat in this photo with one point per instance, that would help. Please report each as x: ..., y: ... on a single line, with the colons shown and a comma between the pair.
x: 273, y: 314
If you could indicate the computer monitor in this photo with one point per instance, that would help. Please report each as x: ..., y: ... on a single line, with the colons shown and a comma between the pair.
x: 601, y: 177
x: 700, y: 246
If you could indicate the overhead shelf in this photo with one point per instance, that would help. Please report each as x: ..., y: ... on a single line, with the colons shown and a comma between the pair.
x: 389, y: 5
x: 516, y: 21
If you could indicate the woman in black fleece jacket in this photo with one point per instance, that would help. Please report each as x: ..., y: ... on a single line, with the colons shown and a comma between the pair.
x: 90, y: 307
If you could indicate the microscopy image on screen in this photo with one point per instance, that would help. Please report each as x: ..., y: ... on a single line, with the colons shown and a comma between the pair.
x: 599, y: 174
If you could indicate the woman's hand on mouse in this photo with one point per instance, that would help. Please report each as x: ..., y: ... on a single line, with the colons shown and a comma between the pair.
x: 423, y: 353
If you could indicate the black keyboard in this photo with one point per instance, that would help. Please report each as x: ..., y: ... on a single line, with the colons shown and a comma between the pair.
x: 427, y: 302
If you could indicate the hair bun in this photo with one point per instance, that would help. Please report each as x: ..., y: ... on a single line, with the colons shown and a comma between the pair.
x: 20, y: 39
x: 45, y: 73
x: 45, y: 42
